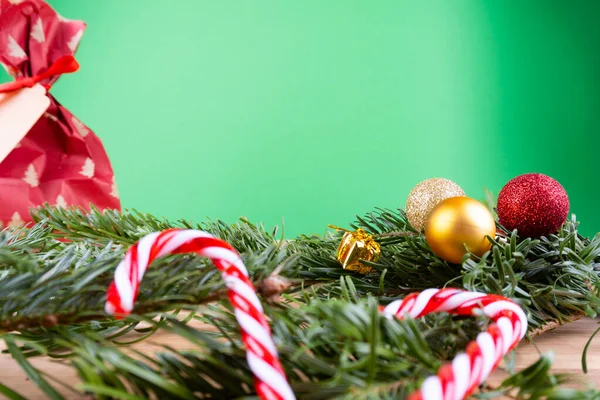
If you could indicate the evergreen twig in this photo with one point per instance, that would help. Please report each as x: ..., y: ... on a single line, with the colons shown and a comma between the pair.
x: 332, y: 340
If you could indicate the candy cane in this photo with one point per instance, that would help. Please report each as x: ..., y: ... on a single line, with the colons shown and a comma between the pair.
x: 270, y: 380
x: 453, y: 381
x: 456, y: 380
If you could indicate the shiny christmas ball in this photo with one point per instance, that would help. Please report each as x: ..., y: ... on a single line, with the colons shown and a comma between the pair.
x: 457, y: 224
x: 425, y: 196
x: 533, y: 204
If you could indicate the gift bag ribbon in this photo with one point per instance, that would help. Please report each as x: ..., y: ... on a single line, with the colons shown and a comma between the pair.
x: 64, y: 65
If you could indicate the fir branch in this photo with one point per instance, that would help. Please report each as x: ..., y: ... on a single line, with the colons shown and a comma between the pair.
x: 333, y: 341
x: 331, y: 349
x: 549, y: 277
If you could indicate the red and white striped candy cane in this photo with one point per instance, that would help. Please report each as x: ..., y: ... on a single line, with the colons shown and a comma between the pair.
x: 270, y: 380
x: 453, y: 382
x: 456, y: 380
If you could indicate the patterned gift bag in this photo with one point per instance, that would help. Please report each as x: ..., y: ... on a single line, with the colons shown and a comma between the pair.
x: 60, y: 160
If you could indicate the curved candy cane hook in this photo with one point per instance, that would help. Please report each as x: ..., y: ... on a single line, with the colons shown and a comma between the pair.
x: 458, y: 379
x: 270, y: 380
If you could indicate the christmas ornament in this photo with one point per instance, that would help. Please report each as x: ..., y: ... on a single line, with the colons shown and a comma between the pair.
x: 425, y: 196
x: 355, y: 248
x: 453, y: 381
x: 459, y: 224
x: 533, y: 204
x: 468, y: 370
x: 271, y: 382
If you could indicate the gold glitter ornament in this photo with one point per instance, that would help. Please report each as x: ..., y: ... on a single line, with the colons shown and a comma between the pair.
x: 425, y: 196
x: 457, y: 224
x: 356, y: 247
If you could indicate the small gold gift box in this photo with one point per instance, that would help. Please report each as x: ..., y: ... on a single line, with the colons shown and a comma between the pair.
x: 356, y: 247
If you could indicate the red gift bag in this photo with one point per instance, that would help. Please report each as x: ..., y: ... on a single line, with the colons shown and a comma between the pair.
x: 60, y: 160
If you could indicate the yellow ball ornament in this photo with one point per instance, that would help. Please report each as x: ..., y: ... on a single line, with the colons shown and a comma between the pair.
x: 457, y: 224
x: 425, y: 196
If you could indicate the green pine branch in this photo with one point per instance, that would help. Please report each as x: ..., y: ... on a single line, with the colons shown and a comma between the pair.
x: 331, y: 349
x: 331, y: 337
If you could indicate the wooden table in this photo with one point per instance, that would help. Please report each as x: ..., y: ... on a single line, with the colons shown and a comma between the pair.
x: 566, y: 342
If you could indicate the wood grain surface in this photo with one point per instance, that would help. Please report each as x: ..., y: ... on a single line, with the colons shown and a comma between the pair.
x: 567, y: 343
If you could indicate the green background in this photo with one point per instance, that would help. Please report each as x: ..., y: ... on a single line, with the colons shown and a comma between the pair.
x: 315, y: 111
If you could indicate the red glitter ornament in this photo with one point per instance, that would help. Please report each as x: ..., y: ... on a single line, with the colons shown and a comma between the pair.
x: 534, y: 204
